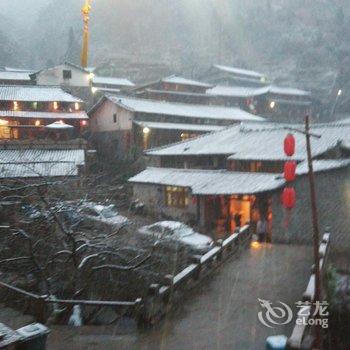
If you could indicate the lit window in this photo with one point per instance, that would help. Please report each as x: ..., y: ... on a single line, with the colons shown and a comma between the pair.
x: 55, y: 106
x: 272, y: 104
x: 35, y: 105
x: 15, y: 105
x: 76, y: 106
x: 37, y: 123
x: 176, y: 197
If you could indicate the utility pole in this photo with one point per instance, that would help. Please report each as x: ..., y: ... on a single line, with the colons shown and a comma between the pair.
x: 315, y: 225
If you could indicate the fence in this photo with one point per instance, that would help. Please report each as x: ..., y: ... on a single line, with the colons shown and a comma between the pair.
x: 302, y: 337
x: 160, y: 296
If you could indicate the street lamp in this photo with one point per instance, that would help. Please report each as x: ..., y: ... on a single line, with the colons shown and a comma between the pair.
x: 339, y: 93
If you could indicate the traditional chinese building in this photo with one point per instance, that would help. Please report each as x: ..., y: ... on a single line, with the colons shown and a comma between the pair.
x: 235, y: 175
x: 14, y: 76
x: 108, y: 84
x: 26, y: 111
x: 118, y: 122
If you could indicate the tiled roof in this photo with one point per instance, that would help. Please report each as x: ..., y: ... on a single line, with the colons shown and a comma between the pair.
x: 258, y: 141
x: 183, y: 110
x: 243, y: 91
x: 239, y: 71
x: 112, y: 81
x: 32, y: 163
x: 323, y: 165
x: 36, y: 170
x: 35, y: 93
x: 76, y: 156
x: 211, y: 182
x: 178, y: 126
x: 173, y: 79
x: 44, y: 115
x: 23, y: 76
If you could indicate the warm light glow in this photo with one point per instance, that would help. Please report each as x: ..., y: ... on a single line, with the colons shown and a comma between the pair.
x: 255, y: 245
x: 15, y: 105
x: 4, y: 122
x: 37, y: 123
x: 340, y: 91
x: 76, y: 106
x: 61, y: 121
x: 55, y: 106
x: 146, y: 130
x: 91, y: 76
x: 83, y: 123
x: 94, y: 90
x: 272, y: 104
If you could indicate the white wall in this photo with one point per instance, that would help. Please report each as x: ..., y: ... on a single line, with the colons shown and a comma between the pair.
x: 102, y: 118
x: 54, y: 76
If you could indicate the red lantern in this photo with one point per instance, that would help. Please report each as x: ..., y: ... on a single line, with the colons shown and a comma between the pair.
x: 289, y: 145
x: 288, y: 198
x: 289, y: 171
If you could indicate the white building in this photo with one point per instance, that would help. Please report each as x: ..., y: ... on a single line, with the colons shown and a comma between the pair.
x: 66, y: 74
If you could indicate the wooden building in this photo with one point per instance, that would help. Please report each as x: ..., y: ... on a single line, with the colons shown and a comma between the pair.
x: 14, y: 76
x: 237, y: 172
x: 25, y: 111
x: 119, y: 123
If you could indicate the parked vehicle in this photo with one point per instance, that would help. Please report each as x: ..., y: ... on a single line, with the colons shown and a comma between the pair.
x: 176, y: 232
x: 92, y: 215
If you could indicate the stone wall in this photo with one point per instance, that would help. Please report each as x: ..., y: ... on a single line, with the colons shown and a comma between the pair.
x: 333, y: 198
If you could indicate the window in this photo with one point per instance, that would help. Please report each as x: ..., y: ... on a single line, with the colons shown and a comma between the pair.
x: 67, y: 74
x: 176, y: 197
x: 114, y: 117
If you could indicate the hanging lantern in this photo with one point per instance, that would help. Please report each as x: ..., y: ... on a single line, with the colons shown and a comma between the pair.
x: 289, y: 171
x: 288, y: 198
x: 289, y: 145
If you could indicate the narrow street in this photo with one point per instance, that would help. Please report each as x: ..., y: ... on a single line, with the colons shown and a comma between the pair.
x: 221, y: 313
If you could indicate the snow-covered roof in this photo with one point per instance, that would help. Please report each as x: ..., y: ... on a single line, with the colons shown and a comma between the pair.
x: 35, y: 170
x: 323, y: 165
x: 35, y: 93
x: 76, y: 156
x: 174, y: 79
x: 178, y: 126
x: 12, y: 75
x: 112, y: 81
x: 59, y: 125
x: 243, y: 91
x: 280, y: 90
x: 258, y: 141
x: 33, y: 163
x: 239, y: 71
x: 238, y: 91
x: 183, y: 110
x: 210, y: 182
x: 45, y: 115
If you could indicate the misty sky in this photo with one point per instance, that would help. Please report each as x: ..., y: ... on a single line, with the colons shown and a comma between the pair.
x: 23, y: 11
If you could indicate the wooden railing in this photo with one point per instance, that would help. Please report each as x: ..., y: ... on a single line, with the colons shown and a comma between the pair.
x: 301, y: 337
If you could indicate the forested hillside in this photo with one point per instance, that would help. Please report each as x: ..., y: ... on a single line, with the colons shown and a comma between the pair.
x: 303, y: 42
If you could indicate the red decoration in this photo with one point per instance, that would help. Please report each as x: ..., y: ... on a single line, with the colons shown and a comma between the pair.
x: 289, y: 145
x: 289, y: 171
x: 288, y: 198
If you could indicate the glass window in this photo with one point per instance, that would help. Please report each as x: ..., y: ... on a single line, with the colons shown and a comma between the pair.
x: 67, y: 74
x: 176, y: 197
